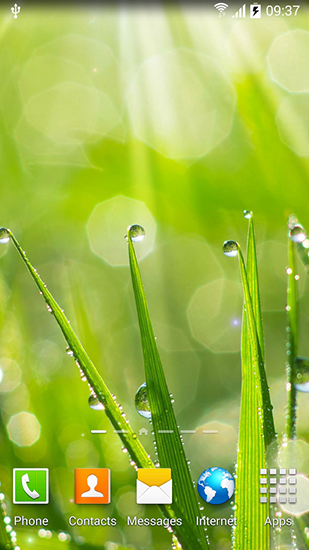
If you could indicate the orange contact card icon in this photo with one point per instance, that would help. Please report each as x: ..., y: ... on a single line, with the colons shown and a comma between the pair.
x: 92, y: 486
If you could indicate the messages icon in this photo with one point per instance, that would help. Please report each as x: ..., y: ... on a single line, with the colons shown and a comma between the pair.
x: 154, y: 486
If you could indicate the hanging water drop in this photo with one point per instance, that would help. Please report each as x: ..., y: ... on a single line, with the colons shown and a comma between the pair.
x: 306, y: 243
x: 302, y: 374
x: 136, y: 232
x: 95, y: 404
x: 230, y: 248
x: 297, y: 234
x: 292, y: 221
x: 69, y: 351
x: 4, y: 235
x: 141, y: 402
x: 247, y: 214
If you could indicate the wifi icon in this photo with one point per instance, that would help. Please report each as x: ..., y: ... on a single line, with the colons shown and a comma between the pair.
x: 221, y: 7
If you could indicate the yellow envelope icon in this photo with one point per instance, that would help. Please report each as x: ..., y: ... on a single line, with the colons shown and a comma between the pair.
x: 154, y: 486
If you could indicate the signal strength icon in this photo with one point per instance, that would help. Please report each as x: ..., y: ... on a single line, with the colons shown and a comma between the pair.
x: 241, y: 12
x: 221, y: 7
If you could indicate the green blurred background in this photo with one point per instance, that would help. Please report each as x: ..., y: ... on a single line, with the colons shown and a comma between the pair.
x: 179, y: 120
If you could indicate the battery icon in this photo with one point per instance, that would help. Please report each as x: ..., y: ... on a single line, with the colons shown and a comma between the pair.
x: 255, y: 11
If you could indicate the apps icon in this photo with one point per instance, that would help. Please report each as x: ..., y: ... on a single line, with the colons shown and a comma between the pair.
x: 154, y: 486
x: 216, y: 485
x: 92, y: 486
x: 30, y: 486
x: 280, y: 487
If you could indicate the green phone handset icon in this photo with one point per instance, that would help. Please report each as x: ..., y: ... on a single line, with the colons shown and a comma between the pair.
x: 32, y: 494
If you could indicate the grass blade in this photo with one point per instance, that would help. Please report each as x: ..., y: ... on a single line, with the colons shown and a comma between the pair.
x: 96, y: 384
x: 7, y: 540
x: 170, y: 447
x: 95, y: 381
x: 256, y: 430
x: 298, y: 236
x: 292, y: 314
x: 257, y: 360
x: 297, y: 241
x: 253, y: 282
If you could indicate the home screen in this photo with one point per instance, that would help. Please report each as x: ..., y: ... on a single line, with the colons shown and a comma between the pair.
x: 154, y: 290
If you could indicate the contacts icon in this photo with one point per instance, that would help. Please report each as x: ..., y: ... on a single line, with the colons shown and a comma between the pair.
x: 92, y: 486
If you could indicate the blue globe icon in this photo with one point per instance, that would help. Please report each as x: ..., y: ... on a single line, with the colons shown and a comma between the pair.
x: 216, y: 485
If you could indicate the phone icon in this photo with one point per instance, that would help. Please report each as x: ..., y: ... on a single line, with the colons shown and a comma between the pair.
x: 25, y: 480
x: 30, y: 486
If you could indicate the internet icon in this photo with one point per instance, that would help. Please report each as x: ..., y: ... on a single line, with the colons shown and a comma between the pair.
x: 216, y: 485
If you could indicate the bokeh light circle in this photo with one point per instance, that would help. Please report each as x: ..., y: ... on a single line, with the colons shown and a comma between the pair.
x: 24, y: 429
x: 10, y: 375
x: 288, y: 60
x: 214, y: 315
x: 293, y: 123
x: 181, y: 104
x: 107, y: 227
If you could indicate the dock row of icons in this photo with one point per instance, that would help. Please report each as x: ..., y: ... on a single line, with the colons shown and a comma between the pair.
x: 255, y: 10
x: 144, y: 431
x: 279, y: 485
x: 153, y: 486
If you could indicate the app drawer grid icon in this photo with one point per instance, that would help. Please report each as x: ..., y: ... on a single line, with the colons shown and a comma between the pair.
x: 278, y: 485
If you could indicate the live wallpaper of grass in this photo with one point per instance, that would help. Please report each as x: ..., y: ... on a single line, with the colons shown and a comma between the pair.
x: 154, y: 174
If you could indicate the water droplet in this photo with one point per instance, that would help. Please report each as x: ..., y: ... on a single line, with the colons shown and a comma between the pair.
x: 306, y: 243
x: 247, y: 214
x: 4, y: 235
x: 136, y: 232
x: 230, y: 248
x: 302, y: 374
x: 69, y: 351
x: 141, y: 401
x: 292, y: 221
x: 297, y: 234
x: 95, y: 404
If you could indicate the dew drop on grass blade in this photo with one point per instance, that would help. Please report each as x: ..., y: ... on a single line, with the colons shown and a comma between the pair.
x: 8, y: 538
x: 292, y: 343
x: 170, y: 447
x: 87, y: 368
x: 256, y: 429
x: 136, y: 451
